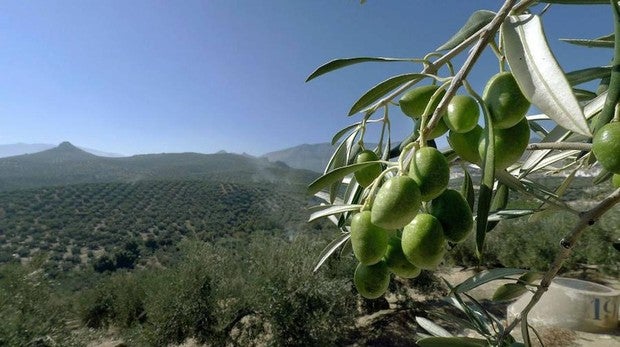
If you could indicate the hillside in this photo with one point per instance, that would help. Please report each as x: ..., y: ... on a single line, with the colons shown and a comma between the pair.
x: 309, y: 157
x: 13, y: 149
x: 74, y: 221
x: 67, y: 164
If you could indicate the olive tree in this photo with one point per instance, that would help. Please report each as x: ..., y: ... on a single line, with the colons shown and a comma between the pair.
x: 392, y: 202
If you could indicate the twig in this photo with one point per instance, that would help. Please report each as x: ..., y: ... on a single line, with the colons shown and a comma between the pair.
x: 587, y: 218
x: 486, y: 34
x: 580, y: 146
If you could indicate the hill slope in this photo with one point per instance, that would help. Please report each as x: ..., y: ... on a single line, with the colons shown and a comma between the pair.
x: 95, y: 216
x: 67, y: 164
x: 13, y: 149
x: 309, y: 157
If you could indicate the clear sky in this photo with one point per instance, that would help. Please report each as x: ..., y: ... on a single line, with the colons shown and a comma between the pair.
x: 174, y: 76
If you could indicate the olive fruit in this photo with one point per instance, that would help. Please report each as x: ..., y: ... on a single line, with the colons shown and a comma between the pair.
x: 507, y: 104
x: 466, y: 144
x: 396, y: 203
x: 509, y: 144
x: 462, y: 114
x: 454, y: 214
x: 369, y: 242
x: 367, y: 175
x: 430, y: 170
x: 606, y: 147
x: 414, y: 102
x: 423, y: 241
x: 615, y: 180
x: 371, y: 281
x: 440, y: 129
x: 396, y: 261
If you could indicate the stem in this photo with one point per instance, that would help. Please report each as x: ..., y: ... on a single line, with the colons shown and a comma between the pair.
x: 487, y: 33
x: 613, y: 93
x: 580, y: 146
x: 586, y: 219
x: 431, y: 68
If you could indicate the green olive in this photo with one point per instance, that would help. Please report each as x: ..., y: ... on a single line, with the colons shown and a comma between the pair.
x: 414, y: 102
x: 423, y: 241
x: 372, y: 281
x: 454, y: 214
x: 367, y: 175
x: 606, y: 147
x: 430, y: 170
x: 507, y: 104
x: 509, y: 144
x: 369, y: 242
x: 462, y: 114
x: 396, y: 203
x: 466, y: 144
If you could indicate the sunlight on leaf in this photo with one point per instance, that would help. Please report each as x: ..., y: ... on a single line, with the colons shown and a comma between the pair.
x: 538, y: 74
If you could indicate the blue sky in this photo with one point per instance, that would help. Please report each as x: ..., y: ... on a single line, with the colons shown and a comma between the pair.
x: 174, y: 76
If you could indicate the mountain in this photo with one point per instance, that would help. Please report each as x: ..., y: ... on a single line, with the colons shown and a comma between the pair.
x: 13, y: 149
x: 67, y: 164
x: 309, y: 157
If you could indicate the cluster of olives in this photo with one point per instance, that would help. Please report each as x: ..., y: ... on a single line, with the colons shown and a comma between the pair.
x: 394, y: 235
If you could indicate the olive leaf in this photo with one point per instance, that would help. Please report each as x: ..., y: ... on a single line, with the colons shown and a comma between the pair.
x: 486, y: 185
x: 467, y: 189
x: 344, y: 130
x: 328, y: 210
x: 382, y: 89
x: 559, y: 134
x: 508, y: 291
x: 485, y: 277
x: 538, y: 74
x: 585, y: 75
x: 336, y: 175
x: 431, y: 327
x: 606, y: 41
x: 344, y: 62
x: 475, y: 22
x: 330, y: 249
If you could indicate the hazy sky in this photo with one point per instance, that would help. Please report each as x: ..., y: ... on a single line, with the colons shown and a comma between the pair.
x: 174, y: 76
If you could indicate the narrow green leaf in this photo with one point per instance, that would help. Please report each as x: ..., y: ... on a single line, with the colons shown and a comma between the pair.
x: 530, y: 277
x: 432, y: 328
x: 560, y: 134
x: 586, y: 75
x: 467, y: 189
x: 538, y: 74
x: 336, y: 175
x: 329, y: 210
x: 583, y: 95
x: 500, y: 201
x: 485, y: 277
x: 382, y: 89
x: 486, y: 186
x: 590, y: 43
x: 475, y: 22
x: 344, y: 130
x: 344, y: 62
x: 508, y: 291
x: 603, y: 176
x: 451, y: 342
x: 330, y: 249
x: 508, y: 214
